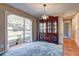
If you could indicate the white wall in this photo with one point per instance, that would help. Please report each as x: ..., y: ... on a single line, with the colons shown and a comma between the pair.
x: 60, y: 21
x: 76, y: 25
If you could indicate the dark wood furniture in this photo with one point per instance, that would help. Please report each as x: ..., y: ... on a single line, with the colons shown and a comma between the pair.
x: 47, y: 30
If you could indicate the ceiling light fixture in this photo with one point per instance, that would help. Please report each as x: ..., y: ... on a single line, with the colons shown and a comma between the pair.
x: 44, y: 17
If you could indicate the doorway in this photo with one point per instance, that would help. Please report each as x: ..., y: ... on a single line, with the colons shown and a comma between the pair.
x: 67, y: 29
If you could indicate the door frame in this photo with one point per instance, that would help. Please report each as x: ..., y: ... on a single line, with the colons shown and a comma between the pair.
x: 69, y: 27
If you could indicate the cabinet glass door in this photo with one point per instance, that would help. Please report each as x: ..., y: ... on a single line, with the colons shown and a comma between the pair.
x: 54, y: 27
x: 49, y: 27
x: 42, y: 27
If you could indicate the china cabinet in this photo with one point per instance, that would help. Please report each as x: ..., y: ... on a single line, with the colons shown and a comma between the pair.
x: 48, y: 30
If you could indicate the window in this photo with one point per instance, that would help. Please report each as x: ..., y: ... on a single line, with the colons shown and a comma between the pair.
x: 19, y: 29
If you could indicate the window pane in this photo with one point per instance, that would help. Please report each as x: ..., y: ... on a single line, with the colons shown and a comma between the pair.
x: 15, y: 28
x: 28, y: 30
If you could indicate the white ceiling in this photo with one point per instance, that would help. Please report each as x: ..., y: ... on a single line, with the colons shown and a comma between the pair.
x: 55, y: 9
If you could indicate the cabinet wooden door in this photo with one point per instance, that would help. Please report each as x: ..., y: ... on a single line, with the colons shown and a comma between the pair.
x: 48, y: 30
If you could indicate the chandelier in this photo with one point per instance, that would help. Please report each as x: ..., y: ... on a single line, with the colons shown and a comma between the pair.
x: 44, y: 17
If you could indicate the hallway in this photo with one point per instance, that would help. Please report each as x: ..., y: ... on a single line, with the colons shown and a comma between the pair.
x: 70, y: 48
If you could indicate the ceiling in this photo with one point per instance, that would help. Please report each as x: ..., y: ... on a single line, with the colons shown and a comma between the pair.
x: 66, y: 10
